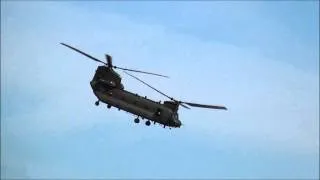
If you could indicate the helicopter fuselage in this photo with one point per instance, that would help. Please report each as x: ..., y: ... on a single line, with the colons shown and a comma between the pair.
x: 107, y: 87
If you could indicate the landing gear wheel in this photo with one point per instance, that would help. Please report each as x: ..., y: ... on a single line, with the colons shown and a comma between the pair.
x: 148, y: 123
x: 97, y: 103
x: 136, y: 120
x: 109, y: 106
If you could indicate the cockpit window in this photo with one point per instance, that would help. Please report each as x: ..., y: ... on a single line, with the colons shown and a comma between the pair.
x: 175, y: 116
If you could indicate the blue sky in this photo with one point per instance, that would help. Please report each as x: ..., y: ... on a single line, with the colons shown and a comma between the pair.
x: 260, y: 59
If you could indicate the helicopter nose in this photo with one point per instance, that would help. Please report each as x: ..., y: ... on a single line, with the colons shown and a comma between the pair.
x: 178, y: 123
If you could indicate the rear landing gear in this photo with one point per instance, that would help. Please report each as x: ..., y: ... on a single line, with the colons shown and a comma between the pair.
x: 148, y: 123
x: 136, y: 120
x: 109, y: 106
x: 97, y: 103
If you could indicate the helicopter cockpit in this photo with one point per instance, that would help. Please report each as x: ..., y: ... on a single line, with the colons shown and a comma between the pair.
x: 106, y: 78
x: 175, y: 119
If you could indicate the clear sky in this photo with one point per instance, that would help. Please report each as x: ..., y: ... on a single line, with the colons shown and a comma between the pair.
x: 260, y: 59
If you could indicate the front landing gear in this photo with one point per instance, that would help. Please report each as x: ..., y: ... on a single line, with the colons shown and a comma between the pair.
x: 136, y: 120
x: 97, y: 103
x: 148, y: 123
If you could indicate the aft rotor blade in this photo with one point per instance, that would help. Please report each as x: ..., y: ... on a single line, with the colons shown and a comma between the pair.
x: 140, y: 71
x: 205, y: 106
x: 83, y: 53
x: 149, y: 86
x: 184, y: 105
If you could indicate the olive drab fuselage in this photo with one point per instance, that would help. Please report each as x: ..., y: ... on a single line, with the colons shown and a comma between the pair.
x: 107, y: 87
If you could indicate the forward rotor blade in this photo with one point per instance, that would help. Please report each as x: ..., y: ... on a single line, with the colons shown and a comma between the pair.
x: 95, y: 59
x: 83, y: 53
x: 140, y: 71
x: 149, y: 86
x: 205, y: 106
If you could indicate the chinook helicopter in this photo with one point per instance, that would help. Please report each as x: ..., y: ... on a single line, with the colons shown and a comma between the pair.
x: 107, y: 87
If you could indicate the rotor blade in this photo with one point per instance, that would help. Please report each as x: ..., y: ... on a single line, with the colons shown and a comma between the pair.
x: 205, y: 106
x: 184, y: 105
x: 95, y: 59
x: 140, y: 71
x: 149, y: 86
x: 83, y: 53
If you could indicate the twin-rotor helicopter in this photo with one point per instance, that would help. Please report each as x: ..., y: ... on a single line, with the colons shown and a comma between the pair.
x: 107, y: 87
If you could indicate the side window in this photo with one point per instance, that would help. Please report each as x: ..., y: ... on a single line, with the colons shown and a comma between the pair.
x: 121, y: 86
x: 158, y: 113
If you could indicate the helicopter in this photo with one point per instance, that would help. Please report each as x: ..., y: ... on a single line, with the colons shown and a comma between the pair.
x: 107, y: 87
